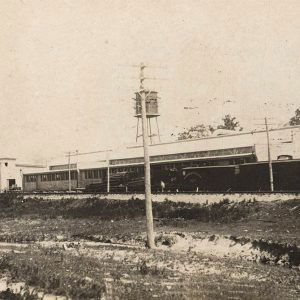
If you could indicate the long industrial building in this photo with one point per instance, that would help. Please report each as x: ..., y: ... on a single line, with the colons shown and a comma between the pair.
x: 223, y: 148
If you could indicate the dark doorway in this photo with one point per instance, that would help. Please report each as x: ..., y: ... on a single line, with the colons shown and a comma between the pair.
x: 11, y: 183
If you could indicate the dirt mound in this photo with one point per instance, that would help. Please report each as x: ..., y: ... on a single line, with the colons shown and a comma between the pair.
x: 231, y: 246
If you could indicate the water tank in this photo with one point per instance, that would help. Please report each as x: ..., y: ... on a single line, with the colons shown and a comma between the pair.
x: 151, y: 104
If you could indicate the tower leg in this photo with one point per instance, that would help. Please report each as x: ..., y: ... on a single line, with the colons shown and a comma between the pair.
x: 137, y: 129
x: 157, y: 130
x: 150, y: 131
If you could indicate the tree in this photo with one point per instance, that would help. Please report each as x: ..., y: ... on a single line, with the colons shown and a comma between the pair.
x: 201, y: 130
x: 296, y: 119
x: 197, y: 131
x: 230, y: 123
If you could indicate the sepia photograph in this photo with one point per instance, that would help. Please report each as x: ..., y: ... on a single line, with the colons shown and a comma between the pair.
x: 149, y: 149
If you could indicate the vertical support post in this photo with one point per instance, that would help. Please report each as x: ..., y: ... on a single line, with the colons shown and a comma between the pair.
x: 150, y: 132
x: 77, y: 169
x: 22, y: 180
x: 69, y: 168
x: 137, y: 129
x: 269, y: 157
x: 149, y: 215
x: 108, y: 175
x: 0, y: 177
x: 157, y: 129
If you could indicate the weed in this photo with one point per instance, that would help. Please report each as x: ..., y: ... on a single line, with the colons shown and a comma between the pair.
x: 144, y: 269
x: 9, y: 295
x: 46, y: 270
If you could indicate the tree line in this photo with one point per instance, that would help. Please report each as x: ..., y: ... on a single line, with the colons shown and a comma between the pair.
x: 228, y: 123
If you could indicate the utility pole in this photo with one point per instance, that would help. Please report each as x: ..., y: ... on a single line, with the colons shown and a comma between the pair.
x: 149, y: 215
x: 108, y: 175
x: 76, y: 153
x: 269, y: 157
x: 69, y: 168
x: 77, y: 169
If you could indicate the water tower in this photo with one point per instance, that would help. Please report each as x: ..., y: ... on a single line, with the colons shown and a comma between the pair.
x: 151, y: 113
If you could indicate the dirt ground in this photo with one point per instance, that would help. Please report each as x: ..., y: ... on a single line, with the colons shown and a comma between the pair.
x: 84, y: 249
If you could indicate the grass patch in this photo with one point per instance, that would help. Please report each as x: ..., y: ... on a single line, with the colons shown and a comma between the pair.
x: 55, y: 272
x: 224, y: 211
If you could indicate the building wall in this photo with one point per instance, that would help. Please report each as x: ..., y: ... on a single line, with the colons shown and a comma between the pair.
x: 61, y: 185
x: 8, y: 170
x: 296, y: 143
x: 83, y: 182
x: 30, y: 186
x: 282, y: 142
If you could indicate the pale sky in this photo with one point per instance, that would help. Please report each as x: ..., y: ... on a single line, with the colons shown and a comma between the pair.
x: 64, y: 84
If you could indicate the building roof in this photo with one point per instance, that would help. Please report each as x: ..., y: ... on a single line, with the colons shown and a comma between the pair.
x: 230, y: 140
x: 30, y: 166
x: 7, y: 158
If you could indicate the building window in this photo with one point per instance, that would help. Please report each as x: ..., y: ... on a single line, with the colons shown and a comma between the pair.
x: 30, y: 178
x: 73, y: 175
x: 44, y: 177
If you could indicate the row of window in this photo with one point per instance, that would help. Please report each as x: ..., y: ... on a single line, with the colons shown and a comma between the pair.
x: 30, y: 178
x: 178, y: 156
x: 94, y: 174
x: 101, y: 173
x: 186, y: 164
x: 58, y: 176
x: 139, y: 170
x: 63, y: 167
x: 51, y: 177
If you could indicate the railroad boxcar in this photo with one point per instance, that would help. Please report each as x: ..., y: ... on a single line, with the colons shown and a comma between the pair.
x: 244, y: 177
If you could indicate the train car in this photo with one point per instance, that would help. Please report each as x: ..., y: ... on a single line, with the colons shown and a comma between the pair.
x: 235, y: 162
x: 256, y: 176
x: 244, y: 177
x: 211, y: 178
x: 192, y: 176
x: 166, y: 175
x: 50, y: 181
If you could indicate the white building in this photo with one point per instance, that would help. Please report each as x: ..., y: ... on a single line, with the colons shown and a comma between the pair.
x: 11, y: 173
x: 284, y: 141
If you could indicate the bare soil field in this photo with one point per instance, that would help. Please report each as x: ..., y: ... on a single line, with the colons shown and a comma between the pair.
x: 95, y: 249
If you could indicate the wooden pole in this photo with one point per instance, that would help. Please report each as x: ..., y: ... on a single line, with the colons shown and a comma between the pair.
x: 108, y: 175
x: 149, y: 215
x: 77, y: 169
x: 269, y: 157
x: 69, y: 167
